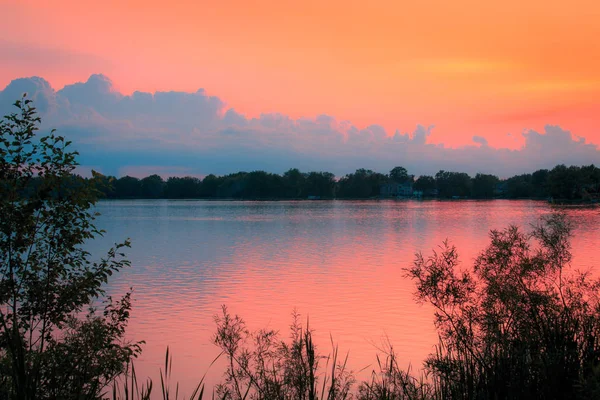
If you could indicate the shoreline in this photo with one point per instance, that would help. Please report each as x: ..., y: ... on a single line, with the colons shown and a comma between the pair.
x: 333, y: 199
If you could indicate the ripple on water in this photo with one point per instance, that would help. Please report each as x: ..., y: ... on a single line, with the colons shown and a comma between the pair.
x: 338, y: 263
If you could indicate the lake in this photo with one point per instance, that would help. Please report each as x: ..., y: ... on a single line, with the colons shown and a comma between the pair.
x: 339, y: 263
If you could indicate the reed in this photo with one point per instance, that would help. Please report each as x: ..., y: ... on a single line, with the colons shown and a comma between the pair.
x: 128, y: 387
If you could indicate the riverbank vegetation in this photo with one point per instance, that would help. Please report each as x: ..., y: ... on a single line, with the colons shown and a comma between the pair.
x: 521, y: 323
x: 561, y: 182
x: 60, y: 336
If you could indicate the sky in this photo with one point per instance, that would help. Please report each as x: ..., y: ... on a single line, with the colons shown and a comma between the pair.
x: 333, y: 85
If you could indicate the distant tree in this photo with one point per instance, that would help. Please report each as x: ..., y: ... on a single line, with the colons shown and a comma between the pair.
x: 519, y: 187
x: 261, y: 185
x: 362, y: 184
x: 425, y: 183
x: 564, y: 182
x: 483, y: 186
x: 590, y: 176
x: 128, y: 187
x: 232, y: 186
x: 450, y: 184
x: 152, y: 187
x: 50, y: 347
x: 400, y: 175
x: 539, y: 183
x: 106, y: 186
x: 182, y: 188
x: 209, y: 186
x: 320, y: 184
x: 294, y: 182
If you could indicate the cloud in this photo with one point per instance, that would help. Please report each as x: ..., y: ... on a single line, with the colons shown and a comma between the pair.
x: 420, y: 135
x: 196, y: 134
x: 39, y: 91
x: 480, y: 140
x: 96, y: 93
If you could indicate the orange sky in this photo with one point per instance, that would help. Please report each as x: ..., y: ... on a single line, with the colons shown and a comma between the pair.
x: 468, y: 67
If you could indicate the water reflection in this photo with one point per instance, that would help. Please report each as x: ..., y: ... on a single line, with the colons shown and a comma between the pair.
x: 338, y: 262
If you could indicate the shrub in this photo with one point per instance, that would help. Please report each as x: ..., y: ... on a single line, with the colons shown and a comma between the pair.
x: 262, y: 366
x: 53, y: 342
x: 522, y: 324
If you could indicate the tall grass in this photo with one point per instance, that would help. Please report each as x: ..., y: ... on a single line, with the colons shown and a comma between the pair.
x: 128, y: 388
x: 260, y: 366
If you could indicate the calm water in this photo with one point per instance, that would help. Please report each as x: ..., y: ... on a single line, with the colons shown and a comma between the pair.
x: 340, y: 263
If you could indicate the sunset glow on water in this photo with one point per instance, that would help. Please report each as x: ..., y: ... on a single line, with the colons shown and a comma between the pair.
x: 338, y: 263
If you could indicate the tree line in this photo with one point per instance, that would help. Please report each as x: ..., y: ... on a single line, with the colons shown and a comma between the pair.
x: 561, y: 182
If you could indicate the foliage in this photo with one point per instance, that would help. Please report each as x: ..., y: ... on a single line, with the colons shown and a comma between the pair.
x: 484, y: 186
x: 393, y: 383
x: 320, y: 184
x: 400, y: 175
x: 262, y: 366
x: 573, y: 182
x: 522, y: 325
x: 453, y: 184
x: 362, y: 184
x: 182, y: 188
x: 570, y: 183
x: 520, y: 187
x: 294, y: 184
x: 425, y: 184
x: 127, y: 187
x: 152, y: 187
x: 50, y: 347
